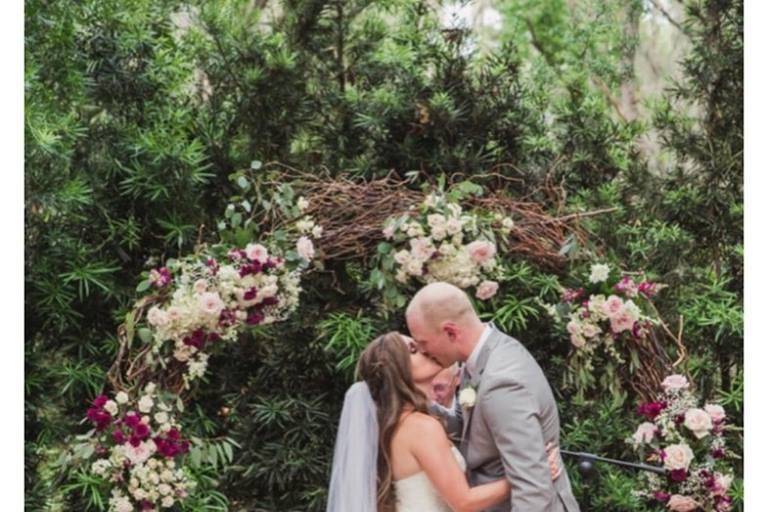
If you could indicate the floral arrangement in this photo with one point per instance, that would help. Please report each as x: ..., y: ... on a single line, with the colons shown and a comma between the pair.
x: 210, y: 298
x: 136, y: 443
x: 440, y: 242
x: 605, y: 310
x: 688, y: 440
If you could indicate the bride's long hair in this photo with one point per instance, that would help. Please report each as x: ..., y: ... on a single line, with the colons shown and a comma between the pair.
x: 385, y: 365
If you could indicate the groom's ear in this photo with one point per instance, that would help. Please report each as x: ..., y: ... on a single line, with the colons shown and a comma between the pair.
x: 451, y: 330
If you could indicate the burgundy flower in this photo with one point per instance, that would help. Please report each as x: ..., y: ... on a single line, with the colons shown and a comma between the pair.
x: 227, y: 317
x: 661, y: 496
x: 134, y: 440
x: 173, y: 434
x: 212, y: 265
x: 651, y: 409
x: 718, y: 453
x: 213, y: 336
x: 270, y: 263
x: 118, y: 436
x: 100, y: 400
x: 678, y: 475
x: 99, y: 417
x: 255, y: 317
x: 250, y: 294
x: 270, y: 301
x: 196, y: 339
x: 146, y: 505
x: 141, y: 431
x: 679, y: 419
x: 132, y: 419
x: 647, y: 288
x: 160, y: 277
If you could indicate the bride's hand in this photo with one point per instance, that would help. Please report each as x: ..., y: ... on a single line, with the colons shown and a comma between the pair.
x: 553, y: 455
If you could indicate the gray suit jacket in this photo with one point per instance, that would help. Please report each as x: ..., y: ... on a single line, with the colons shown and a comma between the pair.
x: 505, y: 433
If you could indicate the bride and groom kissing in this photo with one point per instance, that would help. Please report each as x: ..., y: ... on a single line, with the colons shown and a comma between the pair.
x: 394, y: 451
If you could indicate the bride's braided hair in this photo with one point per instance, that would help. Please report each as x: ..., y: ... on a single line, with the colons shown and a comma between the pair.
x: 385, y: 365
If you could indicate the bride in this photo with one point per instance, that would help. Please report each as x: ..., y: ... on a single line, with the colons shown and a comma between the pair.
x: 391, y: 454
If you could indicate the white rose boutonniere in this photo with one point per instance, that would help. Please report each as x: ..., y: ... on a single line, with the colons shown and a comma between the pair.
x: 467, y: 397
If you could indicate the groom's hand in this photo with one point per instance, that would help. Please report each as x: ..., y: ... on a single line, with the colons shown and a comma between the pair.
x: 553, y: 455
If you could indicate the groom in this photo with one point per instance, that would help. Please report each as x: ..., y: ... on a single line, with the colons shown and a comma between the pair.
x: 510, y: 415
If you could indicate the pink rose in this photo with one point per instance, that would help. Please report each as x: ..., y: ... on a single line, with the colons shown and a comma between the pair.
x: 573, y: 327
x: 210, y: 303
x: 722, y: 483
x: 481, y: 251
x: 678, y: 503
x: 645, y: 433
x: 612, y: 306
x: 157, y: 317
x: 257, y: 252
x: 675, y: 382
x: 623, y: 321
x: 486, y: 290
x: 305, y: 248
x: 677, y: 456
x: 421, y: 249
x: 577, y: 340
x: 716, y: 412
x: 200, y: 285
x: 590, y: 330
x: 698, y: 422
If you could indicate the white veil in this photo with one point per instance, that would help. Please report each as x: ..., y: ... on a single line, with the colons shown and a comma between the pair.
x: 353, y: 477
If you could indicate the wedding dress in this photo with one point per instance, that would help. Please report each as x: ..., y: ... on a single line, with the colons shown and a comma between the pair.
x: 417, y: 494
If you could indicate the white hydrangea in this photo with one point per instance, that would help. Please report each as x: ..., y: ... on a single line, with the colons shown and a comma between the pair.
x: 146, y: 403
x: 100, y: 467
x: 599, y: 273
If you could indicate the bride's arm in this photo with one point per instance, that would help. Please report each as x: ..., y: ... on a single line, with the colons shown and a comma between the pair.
x: 432, y: 450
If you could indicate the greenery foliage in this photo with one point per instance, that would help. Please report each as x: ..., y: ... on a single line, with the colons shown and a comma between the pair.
x: 141, y: 116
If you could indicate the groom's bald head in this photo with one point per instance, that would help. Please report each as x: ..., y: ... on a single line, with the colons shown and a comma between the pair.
x: 443, y: 322
x: 437, y: 302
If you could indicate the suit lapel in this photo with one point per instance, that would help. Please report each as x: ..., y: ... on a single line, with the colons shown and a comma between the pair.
x: 482, y: 361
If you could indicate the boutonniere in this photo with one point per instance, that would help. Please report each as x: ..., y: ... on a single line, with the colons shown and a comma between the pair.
x: 467, y: 397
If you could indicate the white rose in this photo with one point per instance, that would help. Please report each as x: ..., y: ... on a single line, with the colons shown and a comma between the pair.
x: 305, y: 225
x: 167, y: 502
x: 157, y: 317
x: 590, y: 330
x: 577, y: 340
x: 678, y: 456
x: 507, y: 224
x: 645, y: 433
x: 257, y: 252
x: 200, y: 286
x: 481, y: 251
x: 453, y: 226
x: 599, y: 273
x: 100, y: 467
x: 675, y: 382
x: 161, y: 417
x: 317, y: 231
x: 486, y: 290
x: 111, y: 407
x: 467, y: 397
x: 414, y: 267
x: 402, y: 257
x: 302, y: 203
x: 716, y: 412
x: 211, y: 304
x: 415, y: 230
x: 698, y: 422
x: 305, y: 248
x: 121, y: 397
x: 146, y: 403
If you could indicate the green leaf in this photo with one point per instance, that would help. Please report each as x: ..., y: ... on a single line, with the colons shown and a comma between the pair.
x: 143, y: 286
x: 145, y: 334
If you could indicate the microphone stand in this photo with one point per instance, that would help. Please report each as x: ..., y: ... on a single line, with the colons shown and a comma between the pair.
x: 586, y: 466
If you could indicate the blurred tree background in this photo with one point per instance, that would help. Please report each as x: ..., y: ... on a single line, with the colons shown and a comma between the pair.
x: 138, y: 112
